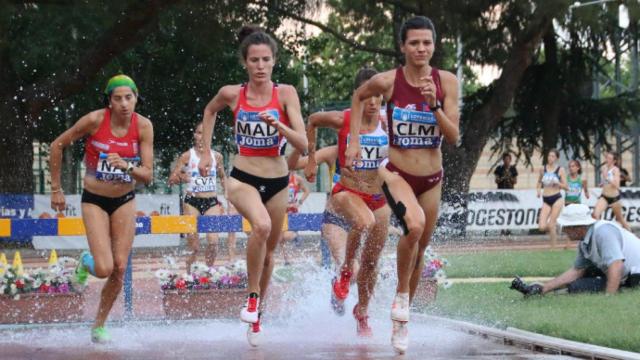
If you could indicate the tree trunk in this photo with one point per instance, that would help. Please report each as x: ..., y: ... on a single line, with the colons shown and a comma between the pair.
x: 16, y: 151
x: 460, y: 162
x: 553, y: 98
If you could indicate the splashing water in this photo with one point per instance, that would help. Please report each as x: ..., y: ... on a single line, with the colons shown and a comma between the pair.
x: 298, y: 324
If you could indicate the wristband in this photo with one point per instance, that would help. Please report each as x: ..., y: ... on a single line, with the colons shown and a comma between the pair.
x: 130, y: 167
x: 56, y: 190
x: 436, y: 107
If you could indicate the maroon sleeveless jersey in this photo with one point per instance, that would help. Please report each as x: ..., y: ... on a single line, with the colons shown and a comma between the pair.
x: 411, y: 123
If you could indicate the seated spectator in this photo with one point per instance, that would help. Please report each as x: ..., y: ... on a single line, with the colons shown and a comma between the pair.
x: 608, y: 256
x: 506, y: 174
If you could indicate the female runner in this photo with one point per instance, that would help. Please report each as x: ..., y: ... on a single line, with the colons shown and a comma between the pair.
x: 358, y: 198
x: 118, y: 153
x: 267, y: 115
x: 201, y: 197
x: 422, y: 107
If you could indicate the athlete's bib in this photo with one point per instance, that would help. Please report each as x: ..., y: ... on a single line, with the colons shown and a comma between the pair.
x: 414, y: 129
x: 200, y: 184
x: 373, y: 149
x: 106, y: 172
x: 251, y: 132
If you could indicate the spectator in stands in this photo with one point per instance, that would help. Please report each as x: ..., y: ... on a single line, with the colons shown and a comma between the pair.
x: 506, y: 174
x: 608, y: 256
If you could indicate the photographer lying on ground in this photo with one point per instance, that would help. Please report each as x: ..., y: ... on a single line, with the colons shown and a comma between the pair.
x: 608, y: 256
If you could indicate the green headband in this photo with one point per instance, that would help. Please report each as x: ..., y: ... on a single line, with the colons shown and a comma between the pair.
x: 120, y: 80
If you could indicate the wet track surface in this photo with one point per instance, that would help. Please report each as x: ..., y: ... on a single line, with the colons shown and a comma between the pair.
x: 331, y: 338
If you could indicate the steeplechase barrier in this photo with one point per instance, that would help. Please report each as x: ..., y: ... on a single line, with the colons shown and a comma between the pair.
x: 168, y: 224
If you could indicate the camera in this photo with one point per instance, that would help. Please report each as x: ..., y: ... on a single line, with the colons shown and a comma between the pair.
x: 526, y: 290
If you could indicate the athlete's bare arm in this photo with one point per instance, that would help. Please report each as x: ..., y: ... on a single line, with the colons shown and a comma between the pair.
x: 86, y: 125
x: 177, y: 175
x: 227, y: 96
x: 295, y: 132
x: 379, y: 84
x: 448, y: 117
x: 303, y: 187
x: 322, y: 119
x: 326, y: 155
x: 220, y: 171
x: 144, y: 172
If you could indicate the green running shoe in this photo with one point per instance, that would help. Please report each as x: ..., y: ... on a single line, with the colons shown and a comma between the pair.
x: 100, y: 335
x: 81, y: 273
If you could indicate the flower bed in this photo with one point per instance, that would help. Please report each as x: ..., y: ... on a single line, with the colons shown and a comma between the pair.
x: 41, y: 308
x: 40, y: 296
x: 433, y: 274
x: 207, y: 292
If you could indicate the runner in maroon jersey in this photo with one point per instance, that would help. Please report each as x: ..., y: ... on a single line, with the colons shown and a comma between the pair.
x: 422, y: 107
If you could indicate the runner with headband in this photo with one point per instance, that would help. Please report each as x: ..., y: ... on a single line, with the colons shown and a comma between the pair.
x: 118, y: 154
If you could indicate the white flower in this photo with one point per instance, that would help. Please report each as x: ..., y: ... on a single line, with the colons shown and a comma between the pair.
x: 215, y: 276
x: 13, y: 289
x: 2, y: 288
x: 16, y: 297
x: 67, y: 261
x: 162, y: 274
x: 55, y: 268
x: 199, y: 268
x: 187, y: 277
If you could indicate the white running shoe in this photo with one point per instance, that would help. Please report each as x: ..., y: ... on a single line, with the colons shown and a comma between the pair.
x: 400, y: 336
x: 249, y: 312
x: 254, y: 334
x: 400, y: 307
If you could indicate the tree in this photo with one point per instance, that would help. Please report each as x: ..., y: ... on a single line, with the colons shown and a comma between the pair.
x: 43, y: 60
x: 509, y: 35
x: 56, y: 56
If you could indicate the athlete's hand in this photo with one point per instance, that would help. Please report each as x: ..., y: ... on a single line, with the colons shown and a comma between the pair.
x: 311, y: 170
x: 58, y: 202
x: 174, y: 179
x: 117, y: 162
x: 428, y: 90
x: 205, y: 163
x: 268, y: 118
x: 351, y: 155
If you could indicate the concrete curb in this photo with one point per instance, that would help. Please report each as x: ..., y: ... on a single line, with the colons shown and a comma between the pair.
x: 496, y: 279
x: 534, y: 341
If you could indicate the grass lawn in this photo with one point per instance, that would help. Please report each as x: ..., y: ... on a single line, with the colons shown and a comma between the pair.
x: 509, y: 263
x: 612, y: 321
